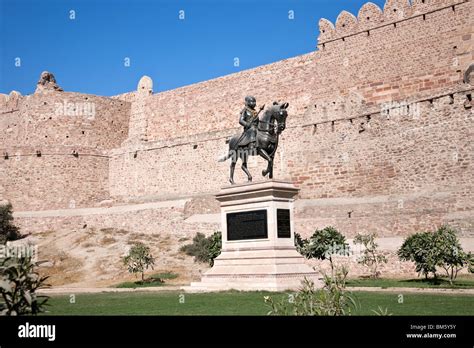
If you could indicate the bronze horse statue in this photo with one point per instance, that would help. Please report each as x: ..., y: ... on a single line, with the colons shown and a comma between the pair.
x: 270, y: 125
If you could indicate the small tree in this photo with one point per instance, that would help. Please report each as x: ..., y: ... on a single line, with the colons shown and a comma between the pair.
x: 371, y: 257
x: 19, y: 282
x: 417, y: 248
x: 8, y: 231
x: 138, y: 260
x: 430, y: 250
x: 450, y: 253
x: 323, y: 244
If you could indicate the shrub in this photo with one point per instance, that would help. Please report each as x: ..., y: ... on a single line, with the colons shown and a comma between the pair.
x: 331, y: 300
x: 138, y: 260
x: 8, y: 231
x: 371, y: 257
x: 19, y: 282
x: 430, y: 250
x: 323, y: 244
x: 204, y: 249
x: 215, y: 247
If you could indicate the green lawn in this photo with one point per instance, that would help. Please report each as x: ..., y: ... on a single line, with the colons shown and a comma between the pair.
x: 246, y: 303
x: 464, y: 282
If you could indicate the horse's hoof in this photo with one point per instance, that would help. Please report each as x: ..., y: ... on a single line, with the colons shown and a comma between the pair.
x: 250, y: 179
x: 231, y: 182
x: 264, y: 173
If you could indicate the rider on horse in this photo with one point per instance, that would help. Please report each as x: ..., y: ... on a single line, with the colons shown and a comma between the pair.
x: 249, y: 120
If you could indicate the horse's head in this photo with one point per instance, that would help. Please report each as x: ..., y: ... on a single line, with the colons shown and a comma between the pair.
x: 280, y: 114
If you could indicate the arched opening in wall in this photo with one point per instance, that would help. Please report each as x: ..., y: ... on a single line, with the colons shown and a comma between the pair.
x: 195, y: 147
x: 83, y: 132
x: 332, y: 126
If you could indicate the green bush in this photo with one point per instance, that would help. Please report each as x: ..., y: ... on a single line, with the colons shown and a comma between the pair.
x: 138, y: 260
x: 215, y: 247
x: 8, y: 231
x: 323, y: 244
x: 204, y: 249
x: 19, y: 282
x: 429, y: 250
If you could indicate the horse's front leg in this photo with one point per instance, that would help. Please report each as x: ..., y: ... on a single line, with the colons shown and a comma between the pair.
x: 269, y: 159
x: 270, y: 169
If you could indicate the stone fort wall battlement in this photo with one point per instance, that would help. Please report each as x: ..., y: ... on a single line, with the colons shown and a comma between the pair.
x: 379, y: 133
x: 54, y: 148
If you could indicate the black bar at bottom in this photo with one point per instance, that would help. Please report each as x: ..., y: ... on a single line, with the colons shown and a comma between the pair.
x: 142, y: 330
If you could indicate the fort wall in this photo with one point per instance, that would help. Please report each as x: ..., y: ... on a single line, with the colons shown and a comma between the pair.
x: 378, y: 139
x: 54, y: 148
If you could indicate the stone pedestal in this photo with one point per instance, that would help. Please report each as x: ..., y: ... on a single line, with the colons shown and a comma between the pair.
x: 258, y: 251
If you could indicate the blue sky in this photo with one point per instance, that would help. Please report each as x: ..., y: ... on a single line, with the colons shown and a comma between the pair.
x: 87, y: 54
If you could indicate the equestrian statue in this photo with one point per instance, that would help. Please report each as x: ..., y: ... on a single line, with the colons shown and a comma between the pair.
x: 259, y: 138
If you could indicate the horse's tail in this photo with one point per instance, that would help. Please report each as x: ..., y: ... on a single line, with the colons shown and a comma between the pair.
x: 224, y: 158
x: 232, y: 141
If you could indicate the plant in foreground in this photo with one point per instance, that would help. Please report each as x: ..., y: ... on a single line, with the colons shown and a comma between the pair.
x: 19, y: 282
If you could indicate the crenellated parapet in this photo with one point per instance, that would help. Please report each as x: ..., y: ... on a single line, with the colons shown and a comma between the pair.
x: 371, y: 17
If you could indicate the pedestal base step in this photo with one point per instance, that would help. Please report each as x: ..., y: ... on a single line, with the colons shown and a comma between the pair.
x: 266, y: 270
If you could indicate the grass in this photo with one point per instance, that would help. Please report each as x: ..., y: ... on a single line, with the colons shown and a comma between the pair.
x: 246, y: 303
x: 464, y: 282
x: 158, y: 279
